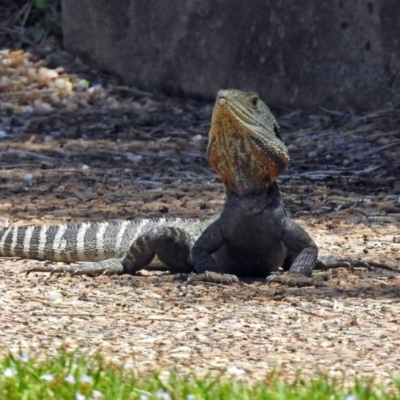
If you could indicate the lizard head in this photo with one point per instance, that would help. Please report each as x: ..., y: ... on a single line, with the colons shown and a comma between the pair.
x: 244, y: 145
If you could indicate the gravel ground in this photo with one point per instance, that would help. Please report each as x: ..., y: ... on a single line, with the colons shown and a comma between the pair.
x: 75, y: 150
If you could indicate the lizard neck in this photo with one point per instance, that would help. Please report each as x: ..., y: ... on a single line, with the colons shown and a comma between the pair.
x: 254, y: 202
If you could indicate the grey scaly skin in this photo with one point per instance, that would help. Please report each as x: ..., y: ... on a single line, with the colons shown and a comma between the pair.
x: 254, y: 237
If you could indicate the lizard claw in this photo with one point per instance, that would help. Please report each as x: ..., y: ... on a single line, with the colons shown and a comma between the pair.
x: 293, y: 279
x: 213, y: 277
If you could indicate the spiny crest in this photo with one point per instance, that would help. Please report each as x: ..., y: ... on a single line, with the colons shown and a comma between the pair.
x: 244, y: 144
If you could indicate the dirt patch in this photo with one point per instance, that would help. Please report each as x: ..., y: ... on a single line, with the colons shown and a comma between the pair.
x: 143, y: 155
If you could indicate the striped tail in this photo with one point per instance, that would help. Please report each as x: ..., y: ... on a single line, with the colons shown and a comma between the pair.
x: 70, y: 242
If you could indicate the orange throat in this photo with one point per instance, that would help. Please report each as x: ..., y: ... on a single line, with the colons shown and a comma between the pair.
x: 242, y: 164
x: 245, y: 161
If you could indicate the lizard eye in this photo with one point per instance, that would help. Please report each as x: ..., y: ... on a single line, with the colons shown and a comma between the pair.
x: 254, y: 101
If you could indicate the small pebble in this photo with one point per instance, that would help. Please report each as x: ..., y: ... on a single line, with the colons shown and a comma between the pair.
x: 312, y: 154
x: 28, y: 177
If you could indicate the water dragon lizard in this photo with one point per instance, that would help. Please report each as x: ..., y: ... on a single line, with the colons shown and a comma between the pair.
x: 251, y: 237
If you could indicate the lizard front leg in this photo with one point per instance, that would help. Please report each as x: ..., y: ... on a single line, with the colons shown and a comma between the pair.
x: 297, y: 241
x: 211, y: 240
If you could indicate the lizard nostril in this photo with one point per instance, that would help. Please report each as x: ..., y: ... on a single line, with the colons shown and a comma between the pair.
x: 223, y: 93
x: 221, y: 101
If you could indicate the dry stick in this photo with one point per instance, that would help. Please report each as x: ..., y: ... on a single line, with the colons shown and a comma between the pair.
x: 10, y: 95
x: 24, y: 153
x: 335, y: 113
x: 321, y: 174
x: 378, y: 149
x: 348, y: 263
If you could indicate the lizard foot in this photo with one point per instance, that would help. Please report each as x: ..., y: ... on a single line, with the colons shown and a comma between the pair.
x: 111, y: 266
x: 213, y: 277
x: 293, y: 279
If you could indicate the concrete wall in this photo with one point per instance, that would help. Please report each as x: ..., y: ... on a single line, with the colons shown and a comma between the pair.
x: 331, y: 53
